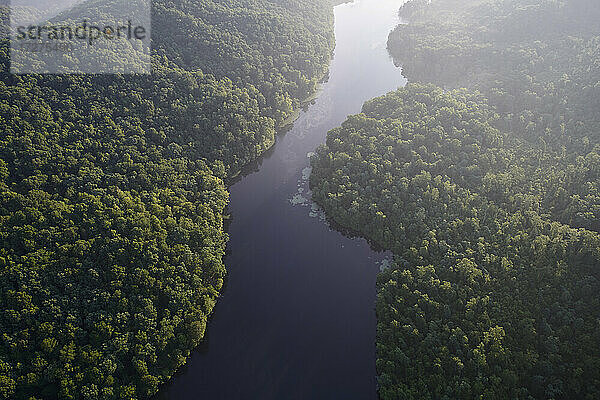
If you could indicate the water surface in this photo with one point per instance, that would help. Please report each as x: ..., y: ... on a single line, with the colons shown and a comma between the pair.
x: 297, y: 318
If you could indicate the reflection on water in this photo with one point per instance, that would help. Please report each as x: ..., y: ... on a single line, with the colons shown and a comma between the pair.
x: 297, y: 319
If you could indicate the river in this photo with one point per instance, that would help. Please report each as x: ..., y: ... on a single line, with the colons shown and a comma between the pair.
x: 297, y: 318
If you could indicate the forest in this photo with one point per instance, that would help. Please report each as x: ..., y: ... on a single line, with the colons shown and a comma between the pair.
x: 112, y: 194
x: 482, y: 176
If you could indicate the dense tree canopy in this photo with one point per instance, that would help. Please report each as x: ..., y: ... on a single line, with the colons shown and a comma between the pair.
x: 112, y: 194
x: 487, y: 297
x: 488, y: 197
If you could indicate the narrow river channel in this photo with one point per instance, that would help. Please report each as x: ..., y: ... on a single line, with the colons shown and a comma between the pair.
x: 297, y: 318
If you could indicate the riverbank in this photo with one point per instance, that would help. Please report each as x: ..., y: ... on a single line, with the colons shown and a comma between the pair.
x: 297, y: 319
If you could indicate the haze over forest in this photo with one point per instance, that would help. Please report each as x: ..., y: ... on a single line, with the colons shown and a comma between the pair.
x: 479, y: 179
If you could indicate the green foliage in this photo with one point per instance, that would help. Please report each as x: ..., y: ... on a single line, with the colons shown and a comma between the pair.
x: 112, y: 193
x: 535, y: 60
x: 488, y: 297
x: 282, y: 48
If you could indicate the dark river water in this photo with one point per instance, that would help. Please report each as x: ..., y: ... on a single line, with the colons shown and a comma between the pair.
x: 297, y: 319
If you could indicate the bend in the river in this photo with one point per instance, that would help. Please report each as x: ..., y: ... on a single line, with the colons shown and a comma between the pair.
x: 297, y: 319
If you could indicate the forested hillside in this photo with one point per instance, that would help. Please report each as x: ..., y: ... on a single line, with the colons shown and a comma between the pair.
x: 112, y: 194
x: 281, y: 48
x: 488, y: 196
